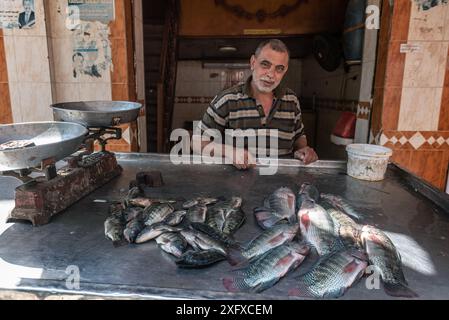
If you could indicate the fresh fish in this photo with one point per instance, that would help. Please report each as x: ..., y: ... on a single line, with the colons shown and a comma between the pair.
x: 271, y: 238
x: 199, y: 259
x: 386, y: 259
x: 332, y: 276
x: 205, y: 201
x: 307, y: 191
x: 132, y: 194
x: 281, y: 205
x: 113, y: 229
x: 140, y: 202
x: 214, y: 234
x: 157, y: 213
x: 227, y: 217
x: 269, y: 269
x: 133, y: 229
x: 346, y: 229
x: 155, y: 230
x: 175, y: 218
x: 317, y: 227
x: 172, y: 243
x: 342, y: 205
x: 116, y: 209
x: 132, y: 213
x: 197, y: 213
x: 202, y: 242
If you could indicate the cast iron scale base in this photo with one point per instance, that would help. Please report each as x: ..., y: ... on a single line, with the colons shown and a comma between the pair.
x: 38, y: 199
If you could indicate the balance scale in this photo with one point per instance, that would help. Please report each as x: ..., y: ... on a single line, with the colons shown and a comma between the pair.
x: 30, y: 151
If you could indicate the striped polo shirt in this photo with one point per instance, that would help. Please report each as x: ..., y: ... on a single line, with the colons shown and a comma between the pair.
x: 236, y: 108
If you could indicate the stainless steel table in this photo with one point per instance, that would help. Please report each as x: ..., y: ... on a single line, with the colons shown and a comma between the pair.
x: 41, y: 259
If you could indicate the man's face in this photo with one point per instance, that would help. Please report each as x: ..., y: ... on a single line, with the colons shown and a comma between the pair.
x: 27, y: 6
x: 269, y: 68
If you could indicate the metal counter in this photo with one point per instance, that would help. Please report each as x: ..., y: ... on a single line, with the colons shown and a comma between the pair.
x: 43, y: 259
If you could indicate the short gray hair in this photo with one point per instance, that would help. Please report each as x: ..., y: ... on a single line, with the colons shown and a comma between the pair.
x: 275, y: 44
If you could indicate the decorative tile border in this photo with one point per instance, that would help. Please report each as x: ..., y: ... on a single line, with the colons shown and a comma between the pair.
x: 194, y: 100
x: 364, y: 110
x: 330, y: 104
x: 416, y: 140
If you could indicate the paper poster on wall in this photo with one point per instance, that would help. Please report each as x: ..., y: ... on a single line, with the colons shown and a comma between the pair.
x: 429, y: 4
x: 93, y: 10
x: 17, y: 14
x: 91, y: 50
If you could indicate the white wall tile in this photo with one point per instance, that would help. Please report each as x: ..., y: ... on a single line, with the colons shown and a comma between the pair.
x: 32, y: 63
x: 35, y: 99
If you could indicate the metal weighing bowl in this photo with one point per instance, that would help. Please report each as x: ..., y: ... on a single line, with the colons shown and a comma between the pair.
x: 51, y: 139
x: 97, y: 113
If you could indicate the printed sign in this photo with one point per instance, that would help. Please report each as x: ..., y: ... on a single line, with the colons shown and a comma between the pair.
x: 91, y: 50
x: 410, y: 48
x: 92, y: 10
x: 17, y: 14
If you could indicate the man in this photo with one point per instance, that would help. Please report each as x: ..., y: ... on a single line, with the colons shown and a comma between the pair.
x: 261, y: 103
x: 27, y: 18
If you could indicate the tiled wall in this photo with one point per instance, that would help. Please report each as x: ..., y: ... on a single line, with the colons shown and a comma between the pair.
x: 412, y: 89
x: 197, y: 86
x: 40, y: 70
x: 334, y: 93
x: 28, y: 67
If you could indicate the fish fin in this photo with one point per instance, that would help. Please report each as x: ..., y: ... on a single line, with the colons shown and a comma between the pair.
x: 399, y: 290
x: 265, y: 218
x: 235, y: 285
x: 284, y: 261
x: 235, y: 257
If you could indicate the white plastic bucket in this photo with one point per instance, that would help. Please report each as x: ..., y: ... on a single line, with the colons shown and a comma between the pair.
x: 368, y: 162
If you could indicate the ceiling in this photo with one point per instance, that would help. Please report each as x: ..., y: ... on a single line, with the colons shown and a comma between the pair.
x: 208, y: 49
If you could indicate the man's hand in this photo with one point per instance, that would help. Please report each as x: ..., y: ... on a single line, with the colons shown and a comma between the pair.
x: 243, y: 159
x: 306, y: 155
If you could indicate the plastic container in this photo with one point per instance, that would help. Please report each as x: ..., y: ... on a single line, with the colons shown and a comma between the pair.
x: 368, y: 162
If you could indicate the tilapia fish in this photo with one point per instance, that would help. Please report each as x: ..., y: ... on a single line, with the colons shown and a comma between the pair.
x: 132, y: 213
x: 281, y: 205
x: 309, y: 191
x: 386, y: 259
x: 175, y: 218
x: 172, y: 243
x: 205, y: 201
x: 197, y: 213
x: 332, y: 276
x: 113, y: 229
x: 271, y: 238
x: 202, y: 242
x: 269, y: 269
x: 227, y: 217
x: 132, y: 194
x: 133, y: 229
x: 155, y: 230
x: 317, y: 227
x: 214, y: 234
x: 199, y: 259
x: 342, y: 205
x: 157, y: 213
x: 346, y: 229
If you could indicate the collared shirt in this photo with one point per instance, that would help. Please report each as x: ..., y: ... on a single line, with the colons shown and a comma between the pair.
x: 236, y: 108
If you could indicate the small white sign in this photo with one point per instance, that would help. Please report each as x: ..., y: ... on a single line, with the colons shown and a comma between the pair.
x: 410, y: 48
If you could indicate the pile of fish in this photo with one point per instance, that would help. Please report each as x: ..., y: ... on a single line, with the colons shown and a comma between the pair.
x: 326, y: 225
x: 199, y: 235
x: 294, y: 225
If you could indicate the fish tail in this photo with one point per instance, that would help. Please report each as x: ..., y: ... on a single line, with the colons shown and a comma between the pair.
x: 265, y: 218
x: 235, y: 256
x: 236, y: 285
x: 399, y: 290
